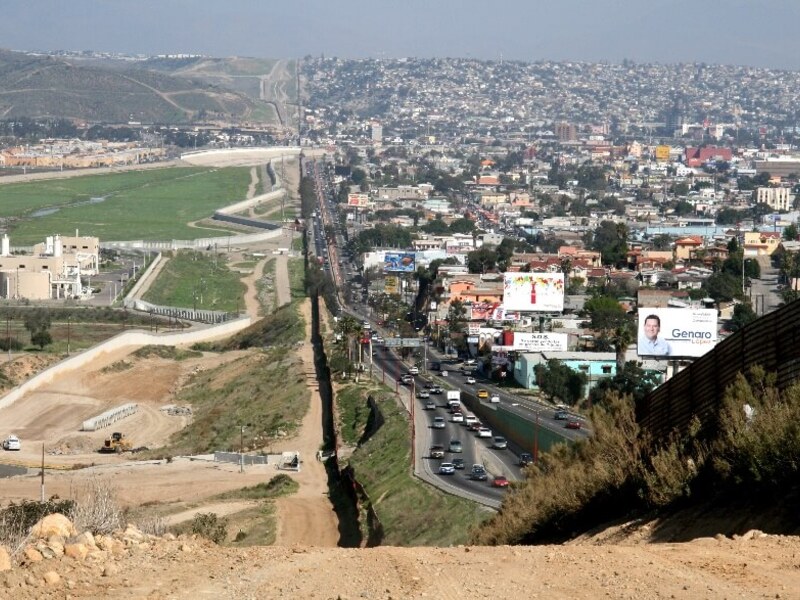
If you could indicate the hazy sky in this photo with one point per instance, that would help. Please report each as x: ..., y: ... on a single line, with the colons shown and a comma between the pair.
x: 753, y: 32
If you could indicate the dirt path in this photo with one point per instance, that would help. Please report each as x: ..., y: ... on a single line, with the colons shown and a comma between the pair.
x: 251, y: 189
x: 221, y: 509
x: 251, y: 304
x: 307, y: 518
x: 284, y: 293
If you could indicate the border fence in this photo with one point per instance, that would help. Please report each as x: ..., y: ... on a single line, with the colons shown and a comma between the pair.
x: 772, y: 342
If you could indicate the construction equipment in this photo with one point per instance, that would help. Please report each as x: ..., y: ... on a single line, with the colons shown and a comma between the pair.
x: 116, y: 443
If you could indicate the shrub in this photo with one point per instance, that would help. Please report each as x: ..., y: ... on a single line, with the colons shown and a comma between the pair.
x: 96, y: 508
x: 210, y: 527
x: 16, y: 520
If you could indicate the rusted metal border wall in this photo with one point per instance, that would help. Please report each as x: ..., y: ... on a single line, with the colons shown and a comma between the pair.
x: 773, y: 342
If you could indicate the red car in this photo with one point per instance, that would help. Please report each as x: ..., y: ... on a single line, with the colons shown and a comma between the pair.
x: 500, y: 482
x: 572, y: 424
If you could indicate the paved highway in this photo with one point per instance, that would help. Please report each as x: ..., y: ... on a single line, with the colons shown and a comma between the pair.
x: 388, y: 368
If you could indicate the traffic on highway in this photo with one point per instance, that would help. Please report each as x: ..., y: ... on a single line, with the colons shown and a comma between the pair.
x: 453, y: 449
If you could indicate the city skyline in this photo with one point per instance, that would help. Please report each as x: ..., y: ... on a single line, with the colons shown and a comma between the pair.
x: 744, y: 33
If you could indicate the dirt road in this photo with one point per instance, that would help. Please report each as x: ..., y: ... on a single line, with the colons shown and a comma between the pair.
x: 307, y: 517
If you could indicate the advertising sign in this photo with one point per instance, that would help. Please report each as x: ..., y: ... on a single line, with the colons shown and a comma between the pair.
x: 391, y: 285
x: 533, y: 292
x: 399, y: 262
x: 676, y: 332
x: 481, y: 311
x: 536, y: 342
x: 358, y: 200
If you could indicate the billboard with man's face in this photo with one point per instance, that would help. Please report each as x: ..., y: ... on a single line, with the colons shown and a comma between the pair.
x: 676, y: 332
x: 399, y: 262
x: 533, y: 292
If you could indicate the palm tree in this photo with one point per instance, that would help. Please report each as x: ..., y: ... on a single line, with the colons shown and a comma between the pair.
x: 622, y: 338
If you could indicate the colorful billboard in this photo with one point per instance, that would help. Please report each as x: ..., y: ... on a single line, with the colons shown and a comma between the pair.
x: 534, y: 342
x: 358, y: 200
x: 676, y: 332
x: 399, y: 262
x: 543, y: 292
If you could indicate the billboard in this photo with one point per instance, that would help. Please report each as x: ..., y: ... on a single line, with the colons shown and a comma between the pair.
x: 399, y: 262
x: 358, y: 200
x: 533, y: 292
x: 676, y: 332
x: 535, y: 342
x: 391, y: 285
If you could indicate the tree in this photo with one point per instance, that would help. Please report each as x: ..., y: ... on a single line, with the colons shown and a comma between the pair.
x: 611, y: 240
x: 622, y: 337
x: 462, y: 225
x: 37, y: 320
x: 662, y: 242
x: 631, y: 381
x: 742, y: 315
x: 41, y: 338
x: 436, y: 227
x: 482, y: 260
x: 723, y: 287
x: 558, y: 381
x: 605, y: 312
x: 791, y: 233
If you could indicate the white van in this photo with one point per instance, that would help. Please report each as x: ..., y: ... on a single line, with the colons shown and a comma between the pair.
x: 469, y: 419
x: 12, y: 443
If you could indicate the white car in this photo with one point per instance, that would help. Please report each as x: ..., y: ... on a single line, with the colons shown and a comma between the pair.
x: 471, y: 380
x: 484, y: 432
x: 12, y: 443
x: 438, y: 423
x: 457, y: 418
x: 414, y: 371
x: 495, y: 399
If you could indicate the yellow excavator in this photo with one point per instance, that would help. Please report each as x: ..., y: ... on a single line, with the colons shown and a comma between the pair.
x: 116, y: 443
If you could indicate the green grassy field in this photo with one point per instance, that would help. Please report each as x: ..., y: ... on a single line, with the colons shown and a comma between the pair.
x: 196, y: 280
x: 155, y: 204
x: 266, y: 390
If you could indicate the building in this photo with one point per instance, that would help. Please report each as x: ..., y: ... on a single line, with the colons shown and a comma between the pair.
x: 377, y: 133
x: 566, y: 132
x: 761, y: 243
x: 778, y: 198
x: 595, y: 365
x: 53, y: 271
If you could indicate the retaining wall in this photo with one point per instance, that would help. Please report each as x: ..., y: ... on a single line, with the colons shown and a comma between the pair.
x: 144, y: 277
x: 127, y: 339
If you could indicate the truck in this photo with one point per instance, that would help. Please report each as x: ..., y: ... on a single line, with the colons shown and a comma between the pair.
x: 453, y: 395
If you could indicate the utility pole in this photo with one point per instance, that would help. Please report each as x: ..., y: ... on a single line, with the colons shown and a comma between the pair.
x: 241, y: 448
x: 41, y: 492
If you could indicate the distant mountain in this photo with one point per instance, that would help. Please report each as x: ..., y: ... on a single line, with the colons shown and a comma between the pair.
x: 116, y: 92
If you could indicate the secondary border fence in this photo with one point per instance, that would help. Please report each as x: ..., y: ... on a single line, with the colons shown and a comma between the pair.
x: 772, y: 342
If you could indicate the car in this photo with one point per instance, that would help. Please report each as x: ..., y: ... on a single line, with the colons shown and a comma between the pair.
x: 561, y: 415
x: 470, y: 380
x: 430, y: 405
x: 457, y: 417
x: 499, y: 442
x: 495, y: 399
x: 458, y: 463
x: 447, y: 468
x: 437, y: 390
x: 438, y: 423
x: 474, y: 426
x: 469, y: 420
x: 444, y: 373
x: 525, y: 459
x: 455, y: 446
x: 414, y: 371
x: 478, y: 473
x: 572, y: 423
x: 499, y: 482
x: 437, y: 451
x: 483, y: 394
x: 470, y: 362
x: 12, y: 443
x: 484, y: 432
x: 429, y: 385
x: 423, y: 394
